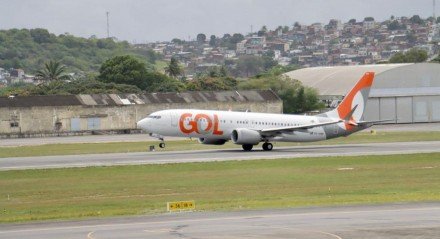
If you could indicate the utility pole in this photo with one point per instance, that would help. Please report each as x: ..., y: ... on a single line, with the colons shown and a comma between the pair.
x: 108, y: 26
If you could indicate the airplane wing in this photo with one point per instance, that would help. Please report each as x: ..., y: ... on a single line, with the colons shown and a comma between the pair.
x: 293, y: 128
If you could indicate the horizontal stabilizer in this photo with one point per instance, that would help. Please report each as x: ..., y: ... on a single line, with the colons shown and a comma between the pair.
x: 373, y: 122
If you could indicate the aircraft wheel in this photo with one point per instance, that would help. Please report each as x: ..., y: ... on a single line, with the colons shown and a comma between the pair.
x: 267, y: 146
x: 247, y: 147
x: 162, y: 145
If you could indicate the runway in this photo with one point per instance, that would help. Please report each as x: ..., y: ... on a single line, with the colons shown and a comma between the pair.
x: 216, y: 155
x: 384, y: 221
x: 16, y: 142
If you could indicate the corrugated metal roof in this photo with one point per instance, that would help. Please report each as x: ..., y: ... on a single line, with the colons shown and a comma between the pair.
x: 337, y: 80
x: 44, y: 100
x: 147, y: 98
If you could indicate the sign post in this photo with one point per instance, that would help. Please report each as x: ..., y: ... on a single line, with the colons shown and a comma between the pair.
x: 180, y: 206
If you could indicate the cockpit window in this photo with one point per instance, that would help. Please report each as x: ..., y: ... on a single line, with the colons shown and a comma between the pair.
x: 154, y: 116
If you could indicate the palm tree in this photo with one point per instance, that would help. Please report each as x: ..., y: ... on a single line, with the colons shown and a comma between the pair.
x: 173, y: 69
x: 52, y: 71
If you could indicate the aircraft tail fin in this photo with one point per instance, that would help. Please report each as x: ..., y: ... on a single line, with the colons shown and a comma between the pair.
x: 352, y: 107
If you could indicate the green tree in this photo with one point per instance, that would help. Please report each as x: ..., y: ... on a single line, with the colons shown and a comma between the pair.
x: 436, y: 60
x: 250, y: 65
x: 177, y: 41
x: 268, y: 61
x: 223, y: 71
x: 213, y: 41
x: 296, y: 98
x: 81, y: 86
x: 262, y: 31
x: 229, y: 41
x: 226, y: 36
x: 163, y: 83
x: 40, y: 36
x: 201, y: 38
x: 412, y: 56
x: 210, y: 83
x: 130, y: 71
x: 416, y: 20
x: 236, y: 38
x: 173, y: 69
x: 52, y: 71
x: 394, y: 25
x: 30, y: 49
x: 124, y: 70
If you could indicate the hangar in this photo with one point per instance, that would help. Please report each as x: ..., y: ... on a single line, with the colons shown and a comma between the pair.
x: 407, y: 93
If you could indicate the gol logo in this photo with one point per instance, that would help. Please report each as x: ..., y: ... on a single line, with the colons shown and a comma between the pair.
x: 196, y: 124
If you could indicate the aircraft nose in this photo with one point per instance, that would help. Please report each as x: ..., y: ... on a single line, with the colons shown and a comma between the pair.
x: 143, y: 124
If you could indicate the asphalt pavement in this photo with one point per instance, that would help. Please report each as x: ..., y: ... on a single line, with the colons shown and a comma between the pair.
x: 41, y: 162
x: 394, y: 221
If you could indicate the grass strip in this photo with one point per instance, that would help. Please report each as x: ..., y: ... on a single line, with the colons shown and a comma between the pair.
x: 137, y: 190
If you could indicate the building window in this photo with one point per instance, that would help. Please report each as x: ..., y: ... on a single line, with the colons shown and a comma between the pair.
x: 14, y: 124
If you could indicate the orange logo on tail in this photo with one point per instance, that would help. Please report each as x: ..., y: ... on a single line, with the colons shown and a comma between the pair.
x: 346, y: 107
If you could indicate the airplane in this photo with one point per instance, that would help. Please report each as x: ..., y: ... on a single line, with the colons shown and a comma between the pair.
x: 249, y: 129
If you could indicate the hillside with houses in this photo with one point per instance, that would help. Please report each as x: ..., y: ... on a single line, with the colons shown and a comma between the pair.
x: 336, y: 43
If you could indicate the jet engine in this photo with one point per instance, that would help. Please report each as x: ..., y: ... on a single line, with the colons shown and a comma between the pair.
x: 245, y: 136
x: 212, y: 141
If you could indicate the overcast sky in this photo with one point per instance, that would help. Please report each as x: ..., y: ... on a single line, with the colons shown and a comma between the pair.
x: 152, y: 20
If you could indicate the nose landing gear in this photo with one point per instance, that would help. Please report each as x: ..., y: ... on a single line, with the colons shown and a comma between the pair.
x: 160, y: 137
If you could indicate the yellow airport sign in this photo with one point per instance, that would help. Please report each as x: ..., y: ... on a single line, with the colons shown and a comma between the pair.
x: 181, y: 206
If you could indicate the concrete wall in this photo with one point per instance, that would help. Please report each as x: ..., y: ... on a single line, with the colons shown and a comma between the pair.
x: 50, y: 120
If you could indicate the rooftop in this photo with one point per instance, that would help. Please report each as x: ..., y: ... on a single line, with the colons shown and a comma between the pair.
x: 337, y: 80
x: 134, y: 99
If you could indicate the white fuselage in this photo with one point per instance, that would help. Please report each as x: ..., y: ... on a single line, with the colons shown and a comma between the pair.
x: 220, y: 124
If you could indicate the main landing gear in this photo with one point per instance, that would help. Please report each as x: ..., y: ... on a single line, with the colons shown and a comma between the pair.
x: 267, y: 146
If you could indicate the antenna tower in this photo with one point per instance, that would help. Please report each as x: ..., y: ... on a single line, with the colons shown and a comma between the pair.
x: 108, y: 26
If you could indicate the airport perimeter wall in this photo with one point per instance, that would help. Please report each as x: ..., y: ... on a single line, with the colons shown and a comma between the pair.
x: 85, y: 114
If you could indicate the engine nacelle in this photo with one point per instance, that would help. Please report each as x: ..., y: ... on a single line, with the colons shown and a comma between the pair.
x: 212, y: 141
x: 245, y: 136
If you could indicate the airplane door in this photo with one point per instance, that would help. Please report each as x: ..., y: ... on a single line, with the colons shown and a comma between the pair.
x: 173, y: 118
